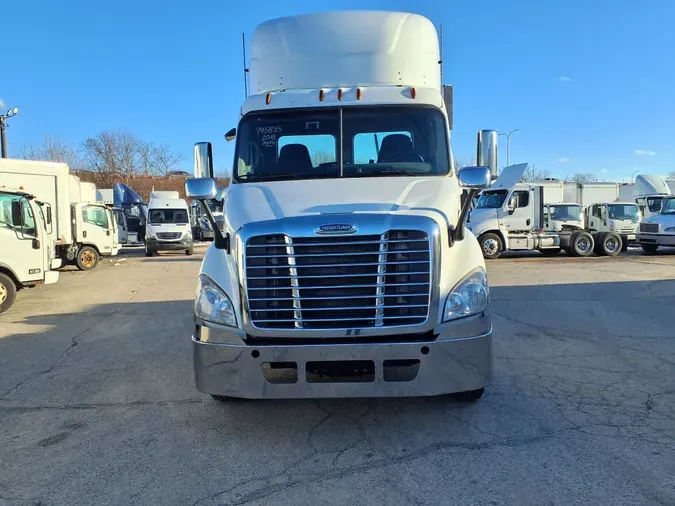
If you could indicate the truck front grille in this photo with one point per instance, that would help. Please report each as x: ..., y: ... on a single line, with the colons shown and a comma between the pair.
x: 650, y: 228
x: 168, y: 236
x: 338, y: 282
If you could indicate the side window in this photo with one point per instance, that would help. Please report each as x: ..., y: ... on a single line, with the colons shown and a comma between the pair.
x: 654, y: 205
x: 372, y: 147
x: 522, y: 198
x: 95, y: 215
x: 596, y: 211
x: 298, y: 152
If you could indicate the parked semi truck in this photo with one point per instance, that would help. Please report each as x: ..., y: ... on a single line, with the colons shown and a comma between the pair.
x: 522, y: 218
x: 26, y: 246
x: 343, y: 268
x: 658, y: 230
x: 83, y: 231
x: 649, y: 192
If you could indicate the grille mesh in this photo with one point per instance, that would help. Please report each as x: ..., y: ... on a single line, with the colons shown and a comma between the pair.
x: 652, y: 228
x: 338, y: 282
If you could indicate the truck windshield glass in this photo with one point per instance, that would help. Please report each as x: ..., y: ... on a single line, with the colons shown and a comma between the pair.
x: 565, y: 213
x: 168, y: 216
x: 491, y: 199
x: 654, y: 204
x: 95, y: 215
x: 668, y: 206
x: 623, y: 212
x: 376, y: 141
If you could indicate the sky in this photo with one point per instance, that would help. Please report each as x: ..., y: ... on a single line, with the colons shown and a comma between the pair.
x: 588, y: 84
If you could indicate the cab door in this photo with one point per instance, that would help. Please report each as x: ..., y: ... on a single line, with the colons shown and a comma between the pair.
x: 22, y: 230
x: 122, y: 231
x: 518, y: 216
x: 97, y: 228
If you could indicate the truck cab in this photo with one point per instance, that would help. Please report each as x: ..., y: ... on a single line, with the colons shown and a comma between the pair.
x: 649, y: 192
x: 622, y: 218
x: 562, y: 216
x: 658, y: 230
x: 343, y: 267
x: 26, y: 249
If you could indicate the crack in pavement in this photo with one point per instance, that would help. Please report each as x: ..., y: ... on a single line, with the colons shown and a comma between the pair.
x: 102, y: 405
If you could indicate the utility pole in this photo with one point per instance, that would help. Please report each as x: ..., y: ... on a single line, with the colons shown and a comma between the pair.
x: 508, y: 137
x: 3, y: 128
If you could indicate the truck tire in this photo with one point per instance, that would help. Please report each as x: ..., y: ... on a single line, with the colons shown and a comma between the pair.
x: 223, y: 398
x: 581, y: 244
x: 87, y: 258
x: 7, y: 292
x: 550, y: 252
x: 470, y: 395
x: 491, y: 245
x: 149, y: 251
x: 189, y: 251
x: 608, y: 244
x: 650, y: 249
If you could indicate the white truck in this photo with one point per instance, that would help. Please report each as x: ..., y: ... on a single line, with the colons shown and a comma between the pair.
x: 526, y: 217
x: 168, y: 227
x: 26, y: 246
x: 343, y: 268
x: 649, y: 192
x: 658, y: 230
x: 84, y: 232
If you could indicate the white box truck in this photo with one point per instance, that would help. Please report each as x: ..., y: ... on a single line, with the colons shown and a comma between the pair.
x: 343, y: 268
x: 26, y: 246
x: 84, y: 232
x: 168, y: 226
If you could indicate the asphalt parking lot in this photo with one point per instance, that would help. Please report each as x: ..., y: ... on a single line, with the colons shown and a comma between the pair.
x: 98, y: 405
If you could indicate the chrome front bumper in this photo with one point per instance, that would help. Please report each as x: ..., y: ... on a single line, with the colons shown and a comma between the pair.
x: 458, y: 360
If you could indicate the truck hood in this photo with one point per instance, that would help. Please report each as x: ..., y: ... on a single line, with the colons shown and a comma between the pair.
x: 256, y: 202
x: 665, y: 220
x: 478, y: 216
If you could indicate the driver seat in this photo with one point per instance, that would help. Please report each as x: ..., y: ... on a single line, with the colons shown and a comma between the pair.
x: 294, y: 158
x: 394, y: 144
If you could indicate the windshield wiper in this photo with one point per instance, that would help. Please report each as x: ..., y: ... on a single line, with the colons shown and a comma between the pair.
x: 382, y: 172
x: 271, y: 177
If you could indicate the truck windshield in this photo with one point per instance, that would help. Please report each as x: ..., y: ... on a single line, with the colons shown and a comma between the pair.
x: 165, y: 216
x: 376, y: 141
x: 491, y: 199
x: 565, y: 213
x: 623, y: 212
x: 668, y: 206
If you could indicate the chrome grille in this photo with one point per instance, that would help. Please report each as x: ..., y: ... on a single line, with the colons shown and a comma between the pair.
x: 338, y: 282
x: 652, y: 228
x: 167, y: 236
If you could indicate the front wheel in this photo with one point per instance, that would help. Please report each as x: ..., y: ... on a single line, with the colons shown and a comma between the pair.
x: 491, y: 245
x: 7, y: 292
x: 87, y: 258
x: 149, y: 251
x: 189, y: 251
x: 650, y: 249
x: 470, y: 395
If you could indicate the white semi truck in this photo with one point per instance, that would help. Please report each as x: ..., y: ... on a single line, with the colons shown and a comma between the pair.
x: 649, y: 192
x: 83, y: 231
x: 26, y: 246
x: 658, y: 230
x: 343, y: 268
x: 526, y: 217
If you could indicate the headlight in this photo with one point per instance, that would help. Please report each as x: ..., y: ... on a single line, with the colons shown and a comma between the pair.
x: 470, y: 296
x: 149, y: 234
x: 670, y: 229
x: 212, y: 304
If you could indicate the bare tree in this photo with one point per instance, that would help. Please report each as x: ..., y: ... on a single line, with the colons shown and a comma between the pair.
x: 671, y: 175
x: 120, y: 154
x: 54, y: 149
x: 534, y: 174
x: 468, y: 162
x: 583, y: 177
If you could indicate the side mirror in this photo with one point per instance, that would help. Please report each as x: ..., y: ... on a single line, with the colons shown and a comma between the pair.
x: 49, y: 215
x: 475, y: 178
x: 200, y: 188
x: 17, y: 214
x: 203, y: 160
x: 511, y: 206
x: 36, y: 244
x: 231, y: 135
